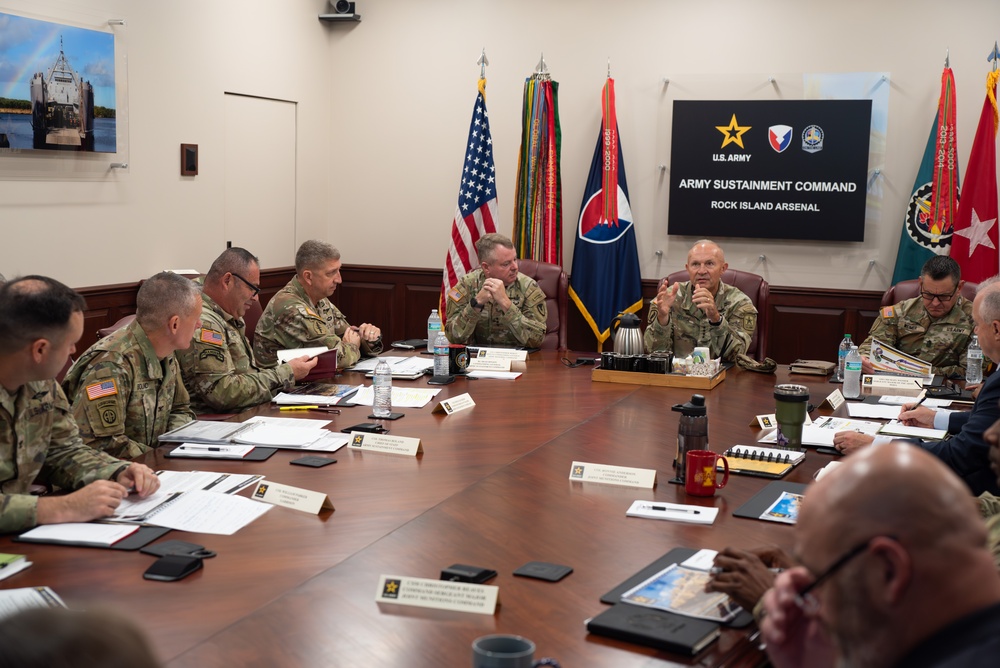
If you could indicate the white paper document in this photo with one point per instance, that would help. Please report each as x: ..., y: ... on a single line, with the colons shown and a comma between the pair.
x: 175, y: 483
x: 820, y: 432
x: 402, y: 397
x: 16, y: 600
x: 203, y: 450
x: 497, y: 375
x: 675, y: 512
x: 295, y: 353
x: 876, y: 411
x: 204, y: 512
x: 899, y: 400
x: 80, y: 532
x: 400, y: 366
x: 899, y: 429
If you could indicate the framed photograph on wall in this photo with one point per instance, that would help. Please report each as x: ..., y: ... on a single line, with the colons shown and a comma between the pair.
x: 63, y: 110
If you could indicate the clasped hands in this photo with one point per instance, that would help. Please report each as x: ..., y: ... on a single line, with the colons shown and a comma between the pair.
x: 701, y: 297
x: 494, y: 291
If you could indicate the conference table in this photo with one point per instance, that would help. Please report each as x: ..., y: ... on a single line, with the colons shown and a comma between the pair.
x: 491, y: 488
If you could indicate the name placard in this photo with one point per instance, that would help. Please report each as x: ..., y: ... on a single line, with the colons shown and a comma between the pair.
x: 501, y: 354
x: 880, y: 382
x: 613, y: 475
x: 440, y: 594
x: 291, y: 497
x: 396, y: 445
x: 770, y: 421
x: 835, y: 400
x: 489, y: 364
x: 455, y: 404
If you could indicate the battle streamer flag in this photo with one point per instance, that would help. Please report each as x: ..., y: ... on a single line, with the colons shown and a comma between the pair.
x: 930, y: 214
x: 606, y: 279
x: 975, y: 243
x: 476, y: 212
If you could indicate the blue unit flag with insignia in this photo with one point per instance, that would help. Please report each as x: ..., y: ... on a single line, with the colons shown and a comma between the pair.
x: 606, y: 279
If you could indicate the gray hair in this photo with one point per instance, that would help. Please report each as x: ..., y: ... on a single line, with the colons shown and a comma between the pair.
x: 989, y: 305
x: 312, y: 254
x: 163, y: 296
x: 232, y: 261
x: 486, y: 246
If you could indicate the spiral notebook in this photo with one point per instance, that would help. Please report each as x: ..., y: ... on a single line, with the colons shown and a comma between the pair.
x: 763, y: 462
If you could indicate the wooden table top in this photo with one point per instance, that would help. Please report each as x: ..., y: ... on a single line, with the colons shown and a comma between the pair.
x: 491, y: 489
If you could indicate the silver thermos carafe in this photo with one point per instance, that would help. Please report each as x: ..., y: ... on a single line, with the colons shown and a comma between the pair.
x: 628, y: 336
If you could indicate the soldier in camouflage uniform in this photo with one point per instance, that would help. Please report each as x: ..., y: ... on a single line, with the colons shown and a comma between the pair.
x: 126, y: 389
x: 701, y: 312
x: 496, y: 305
x: 219, y: 369
x: 300, y: 315
x: 40, y: 322
x: 936, y: 326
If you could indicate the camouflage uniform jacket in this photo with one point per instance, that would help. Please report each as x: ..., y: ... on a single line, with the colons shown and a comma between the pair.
x: 689, y: 328
x: 907, y: 326
x: 291, y: 321
x: 38, y: 435
x: 219, y: 369
x: 989, y: 506
x: 522, y: 325
x: 123, y: 396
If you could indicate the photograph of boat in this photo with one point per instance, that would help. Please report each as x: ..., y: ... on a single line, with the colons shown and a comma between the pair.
x: 59, y: 93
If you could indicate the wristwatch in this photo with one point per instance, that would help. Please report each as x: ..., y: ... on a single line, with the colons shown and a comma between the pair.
x: 476, y: 305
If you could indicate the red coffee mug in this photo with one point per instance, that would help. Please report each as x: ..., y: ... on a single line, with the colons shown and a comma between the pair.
x: 702, y: 477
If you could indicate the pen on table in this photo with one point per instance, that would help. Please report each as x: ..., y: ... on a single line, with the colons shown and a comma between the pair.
x: 205, y: 449
x: 674, y: 510
x: 297, y: 408
x: 716, y: 570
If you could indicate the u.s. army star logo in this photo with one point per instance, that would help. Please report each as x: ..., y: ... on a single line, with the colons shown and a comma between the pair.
x: 358, y: 440
x: 391, y: 589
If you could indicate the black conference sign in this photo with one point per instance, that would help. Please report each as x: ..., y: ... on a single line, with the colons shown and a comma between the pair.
x: 784, y: 169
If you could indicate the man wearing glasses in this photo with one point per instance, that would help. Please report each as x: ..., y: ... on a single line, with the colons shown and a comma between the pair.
x: 893, y: 571
x: 219, y: 369
x: 936, y: 326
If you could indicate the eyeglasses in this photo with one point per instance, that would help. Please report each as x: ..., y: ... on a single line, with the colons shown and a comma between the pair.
x: 930, y: 296
x: 255, y: 288
x: 806, y: 600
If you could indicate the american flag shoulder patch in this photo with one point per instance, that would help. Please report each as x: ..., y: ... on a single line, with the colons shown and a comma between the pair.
x: 888, y: 311
x: 455, y: 294
x: 211, y: 336
x: 103, y: 389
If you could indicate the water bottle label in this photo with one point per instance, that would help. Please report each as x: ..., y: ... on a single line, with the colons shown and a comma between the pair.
x: 853, y: 366
x: 975, y: 354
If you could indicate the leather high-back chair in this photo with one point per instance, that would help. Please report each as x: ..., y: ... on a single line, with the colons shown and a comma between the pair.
x: 251, y: 317
x: 910, y: 288
x: 754, y: 287
x: 554, y: 283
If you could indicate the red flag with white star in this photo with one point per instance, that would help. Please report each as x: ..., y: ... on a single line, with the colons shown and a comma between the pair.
x: 975, y: 240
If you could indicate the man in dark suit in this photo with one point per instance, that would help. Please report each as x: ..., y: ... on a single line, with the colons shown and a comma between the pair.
x: 966, y: 453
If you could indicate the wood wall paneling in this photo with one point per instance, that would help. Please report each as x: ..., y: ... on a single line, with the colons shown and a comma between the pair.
x: 803, y: 322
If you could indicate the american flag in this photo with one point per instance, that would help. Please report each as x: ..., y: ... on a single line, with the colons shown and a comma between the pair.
x: 103, y: 389
x: 476, y: 212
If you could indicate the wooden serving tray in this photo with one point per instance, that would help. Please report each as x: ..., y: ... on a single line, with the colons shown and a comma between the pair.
x: 661, y: 379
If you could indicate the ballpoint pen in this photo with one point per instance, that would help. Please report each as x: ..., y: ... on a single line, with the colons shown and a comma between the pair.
x: 673, y: 510
x: 298, y: 408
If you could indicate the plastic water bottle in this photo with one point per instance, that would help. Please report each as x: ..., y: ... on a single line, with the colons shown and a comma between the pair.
x: 433, y: 327
x: 852, y: 374
x: 382, y: 382
x: 845, y: 347
x: 974, y: 362
x: 441, y: 354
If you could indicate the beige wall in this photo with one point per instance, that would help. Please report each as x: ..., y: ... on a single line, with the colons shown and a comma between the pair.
x: 383, y: 109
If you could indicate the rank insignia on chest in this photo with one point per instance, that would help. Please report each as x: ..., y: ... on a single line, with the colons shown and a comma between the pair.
x: 103, y: 389
x: 211, y: 336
